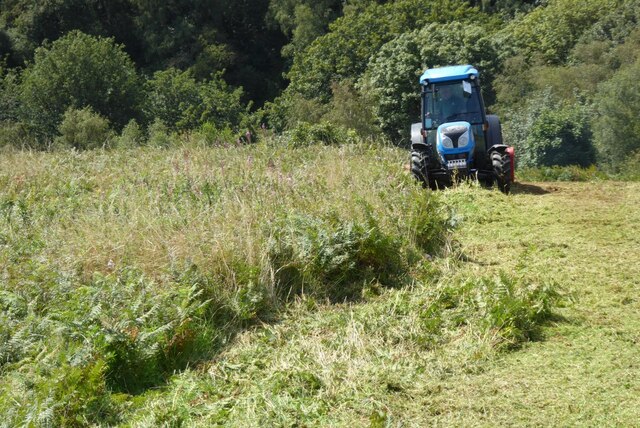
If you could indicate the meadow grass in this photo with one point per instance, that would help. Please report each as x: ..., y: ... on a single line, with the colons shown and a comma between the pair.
x: 276, y: 286
x: 120, y: 268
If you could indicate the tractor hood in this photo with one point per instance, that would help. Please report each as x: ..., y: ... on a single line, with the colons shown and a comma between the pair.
x: 455, y: 144
x: 455, y: 137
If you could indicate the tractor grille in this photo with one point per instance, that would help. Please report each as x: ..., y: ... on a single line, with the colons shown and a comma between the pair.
x: 456, y: 156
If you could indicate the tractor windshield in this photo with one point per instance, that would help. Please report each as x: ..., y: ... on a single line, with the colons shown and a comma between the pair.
x: 452, y: 102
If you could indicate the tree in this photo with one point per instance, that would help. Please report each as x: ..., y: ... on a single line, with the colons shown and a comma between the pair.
x: 548, y: 132
x: 303, y: 21
x: 617, y: 126
x: 345, y: 51
x: 550, y: 32
x: 182, y: 103
x: 77, y: 71
x: 392, y: 75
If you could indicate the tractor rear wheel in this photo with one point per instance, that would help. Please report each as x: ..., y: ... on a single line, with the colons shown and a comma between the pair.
x: 502, y: 170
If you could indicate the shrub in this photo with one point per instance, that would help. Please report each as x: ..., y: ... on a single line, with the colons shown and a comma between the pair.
x: 84, y: 129
x: 182, y: 103
x: 211, y: 135
x: 78, y: 71
x: 352, y: 109
x: 507, y: 308
x: 131, y: 136
x: 561, y: 173
x: 15, y: 134
x: 617, y: 126
x: 331, y: 258
x: 159, y: 134
x: 546, y: 132
x: 306, y: 134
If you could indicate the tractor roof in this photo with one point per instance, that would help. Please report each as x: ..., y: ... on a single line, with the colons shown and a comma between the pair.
x: 445, y: 74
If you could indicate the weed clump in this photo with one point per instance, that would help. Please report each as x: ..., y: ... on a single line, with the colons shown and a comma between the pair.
x: 507, y: 308
x: 333, y: 258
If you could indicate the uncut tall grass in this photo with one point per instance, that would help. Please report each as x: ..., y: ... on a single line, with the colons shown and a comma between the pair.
x: 119, y: 268
x: 158, y: 209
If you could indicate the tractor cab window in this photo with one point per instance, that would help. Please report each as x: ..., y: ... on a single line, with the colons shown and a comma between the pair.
x: 452, y: 102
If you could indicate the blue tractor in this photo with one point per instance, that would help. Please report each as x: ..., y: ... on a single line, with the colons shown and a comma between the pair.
x: 455, y: 138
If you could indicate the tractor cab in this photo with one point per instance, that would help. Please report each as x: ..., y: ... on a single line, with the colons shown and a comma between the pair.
x: 456, y: 138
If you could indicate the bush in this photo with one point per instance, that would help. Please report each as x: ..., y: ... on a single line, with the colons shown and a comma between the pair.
x: 306, y: 134
x: 331, y: 258
x: 211, y: 135
x: 182, y: 103
x: 617, y: 126
x: 15, y: 134
x: 84, y: 129
x: 508, y: 308
x: 352, y: 109
x: 78, y: 71
x: 546, y: 132
x: 158, y: 134
x: 562, y: 173
x: 131, y: 136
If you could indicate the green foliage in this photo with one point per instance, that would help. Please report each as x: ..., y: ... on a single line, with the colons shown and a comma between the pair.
x: 510, y: 309
x: 307, y: 134
x: 182, y: 103
x: 302, y: 20
x: 617, y: 126
x: 546, y: 132
x: 158, y: 134
x: 124, y: 267
x: 392, y: 75
x: 132, y: 135
x: 79, y: 71
x: 9, y: 94
x: 83, y: 129
x: 351, y: 108
x: 354, y: 38
x: 333, y: 258
x: 562, y: 173
x: 549, y: 32
x: 212, y: 135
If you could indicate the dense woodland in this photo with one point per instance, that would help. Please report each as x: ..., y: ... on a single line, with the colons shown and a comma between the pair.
x: 93, y: 73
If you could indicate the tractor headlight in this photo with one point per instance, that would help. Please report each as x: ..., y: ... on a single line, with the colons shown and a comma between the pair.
x: 463, y: 140
x: 446, y: 142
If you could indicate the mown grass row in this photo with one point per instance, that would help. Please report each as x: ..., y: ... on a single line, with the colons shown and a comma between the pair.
x: 122, y: 268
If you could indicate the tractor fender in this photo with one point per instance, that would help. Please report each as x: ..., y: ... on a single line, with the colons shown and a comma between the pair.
x: 502, y: 148
x: 417, y: 140
x: 494, y: 132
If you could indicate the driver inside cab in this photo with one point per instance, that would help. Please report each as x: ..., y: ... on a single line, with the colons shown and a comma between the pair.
x: 450, y: 103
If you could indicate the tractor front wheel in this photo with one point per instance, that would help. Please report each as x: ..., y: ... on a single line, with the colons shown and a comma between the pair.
x: 419, y: 162
x: 502, y: 170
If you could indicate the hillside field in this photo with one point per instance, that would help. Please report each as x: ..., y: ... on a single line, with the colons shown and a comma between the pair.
x: 268, y: 285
